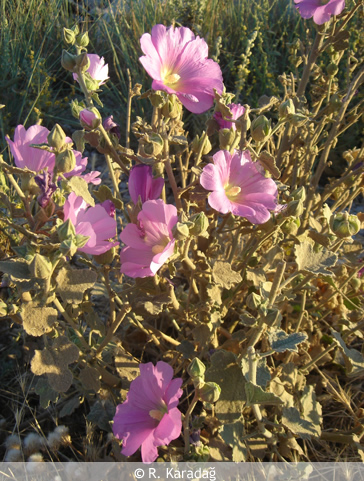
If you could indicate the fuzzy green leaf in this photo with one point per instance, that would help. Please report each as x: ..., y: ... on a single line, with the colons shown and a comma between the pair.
x: 281, y: 342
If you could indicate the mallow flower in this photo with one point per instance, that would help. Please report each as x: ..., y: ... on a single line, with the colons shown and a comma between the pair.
x: 239, y: 187
x: 320, y: 10
x: 237, y: 111
x: 27, y: 157
x: 177, y: 61
x: 150, y: 243
x: 98, y: 69
x: 96, y: 222
x: 141, y: 183
x: 149, y: 417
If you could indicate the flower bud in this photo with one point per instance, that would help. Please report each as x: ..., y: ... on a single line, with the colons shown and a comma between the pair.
x: 65, y: 161
x: 106, y: 258
x: 198, y: 382
x: 210, y: 392
x: 291, y: 225
x: 332, y: 69
x: 226, y: 138
x: 181, y: 231
x: 69, y: 36
x: 82, y: 39
x: 197, y: 368
x: 196, y: 145
x: 90, y: 118
x: 66, y: 230
x: 200, y: 224
x: 261, y: 128
x: 344, y: 224
x: 286, y: 108
x: 172, y: 109
x: 157, y: 99
x: 56, y: 137
x: 298, y: 194
x: 295, y: 208
x: 40, y: 267
x: 82, y: 61
x: 356, y: 284
x: 68, y: 61
x: 297, y: 119
x: 253, y: 300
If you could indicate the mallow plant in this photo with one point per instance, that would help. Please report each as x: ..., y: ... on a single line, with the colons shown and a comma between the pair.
x: 217, y: 303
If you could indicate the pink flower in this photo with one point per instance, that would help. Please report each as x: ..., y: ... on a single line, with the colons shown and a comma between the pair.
x: 239, y: 187
x: 92, y: 177
x: 151, y: 243
x: 141, y: 183
x: 149, y: 417
x: 236, y: 109
x: 96, y: 222
x: 98, y: 69
x: 178, y: 63
x: 26, y: 157
x: 320, y: 11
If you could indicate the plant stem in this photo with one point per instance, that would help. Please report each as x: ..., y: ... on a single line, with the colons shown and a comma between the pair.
x: 113, y: 328
x: 186, y: 423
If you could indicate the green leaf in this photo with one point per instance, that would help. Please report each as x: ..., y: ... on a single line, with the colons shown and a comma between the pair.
x: 187, y: 349
x: 263, y: 374
x: 96, y: 98
x: 73, y: 283
x: 78, y: 138
x: 300, y: 427
x: 104, y: 193
x: 90, y: 378
x: 101, y: 414
x: 281, y: 342
x: 80, y: 187
x: 226, y: 372
x: 45, y: 392
x: 354, y: 360
x: 70, y: 406
x: 314, y: 262
x: 223, y: 274
x: 232, y: 434
x: 256, y: 395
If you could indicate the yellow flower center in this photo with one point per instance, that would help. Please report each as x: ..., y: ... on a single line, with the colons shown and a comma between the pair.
x: 170, y: 79
x: 232, y: 191
x: 158, y: 248
x: 159, y: 413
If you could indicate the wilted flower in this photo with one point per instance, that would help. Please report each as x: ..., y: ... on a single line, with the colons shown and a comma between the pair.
x: 236, y: 109
x: 320, y: 11
x: 149, y: 417
x: 96, y: 222
x: 141, y: 183
x: 238, y: 187
x: 149, y: 244
x: 178, y: 63
x: 98, y: 69
x: 47, y: 187
x: 26, y: 157
x: 111, y: 126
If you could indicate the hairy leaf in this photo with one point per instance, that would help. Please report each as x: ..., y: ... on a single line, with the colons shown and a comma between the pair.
x: 232, y: 434
x: 18, y: 268
x: 80, y: 187
x: 256, y: 395
x: 38, y: 320
x: 315, y: 262
x: 54, y: 361
x: 223, y: 275
x: 311, y: 408
x: 226, y: 372
x: 101, y: 414
x: 281, y: 342
x: 70, y: 406
x: 45, y: 392
x: 72, y: 283
x: 300, y: 427
x: 104, y: 193
x: 268, y: 162
x: 90, y: 378
x: 354, y: 360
